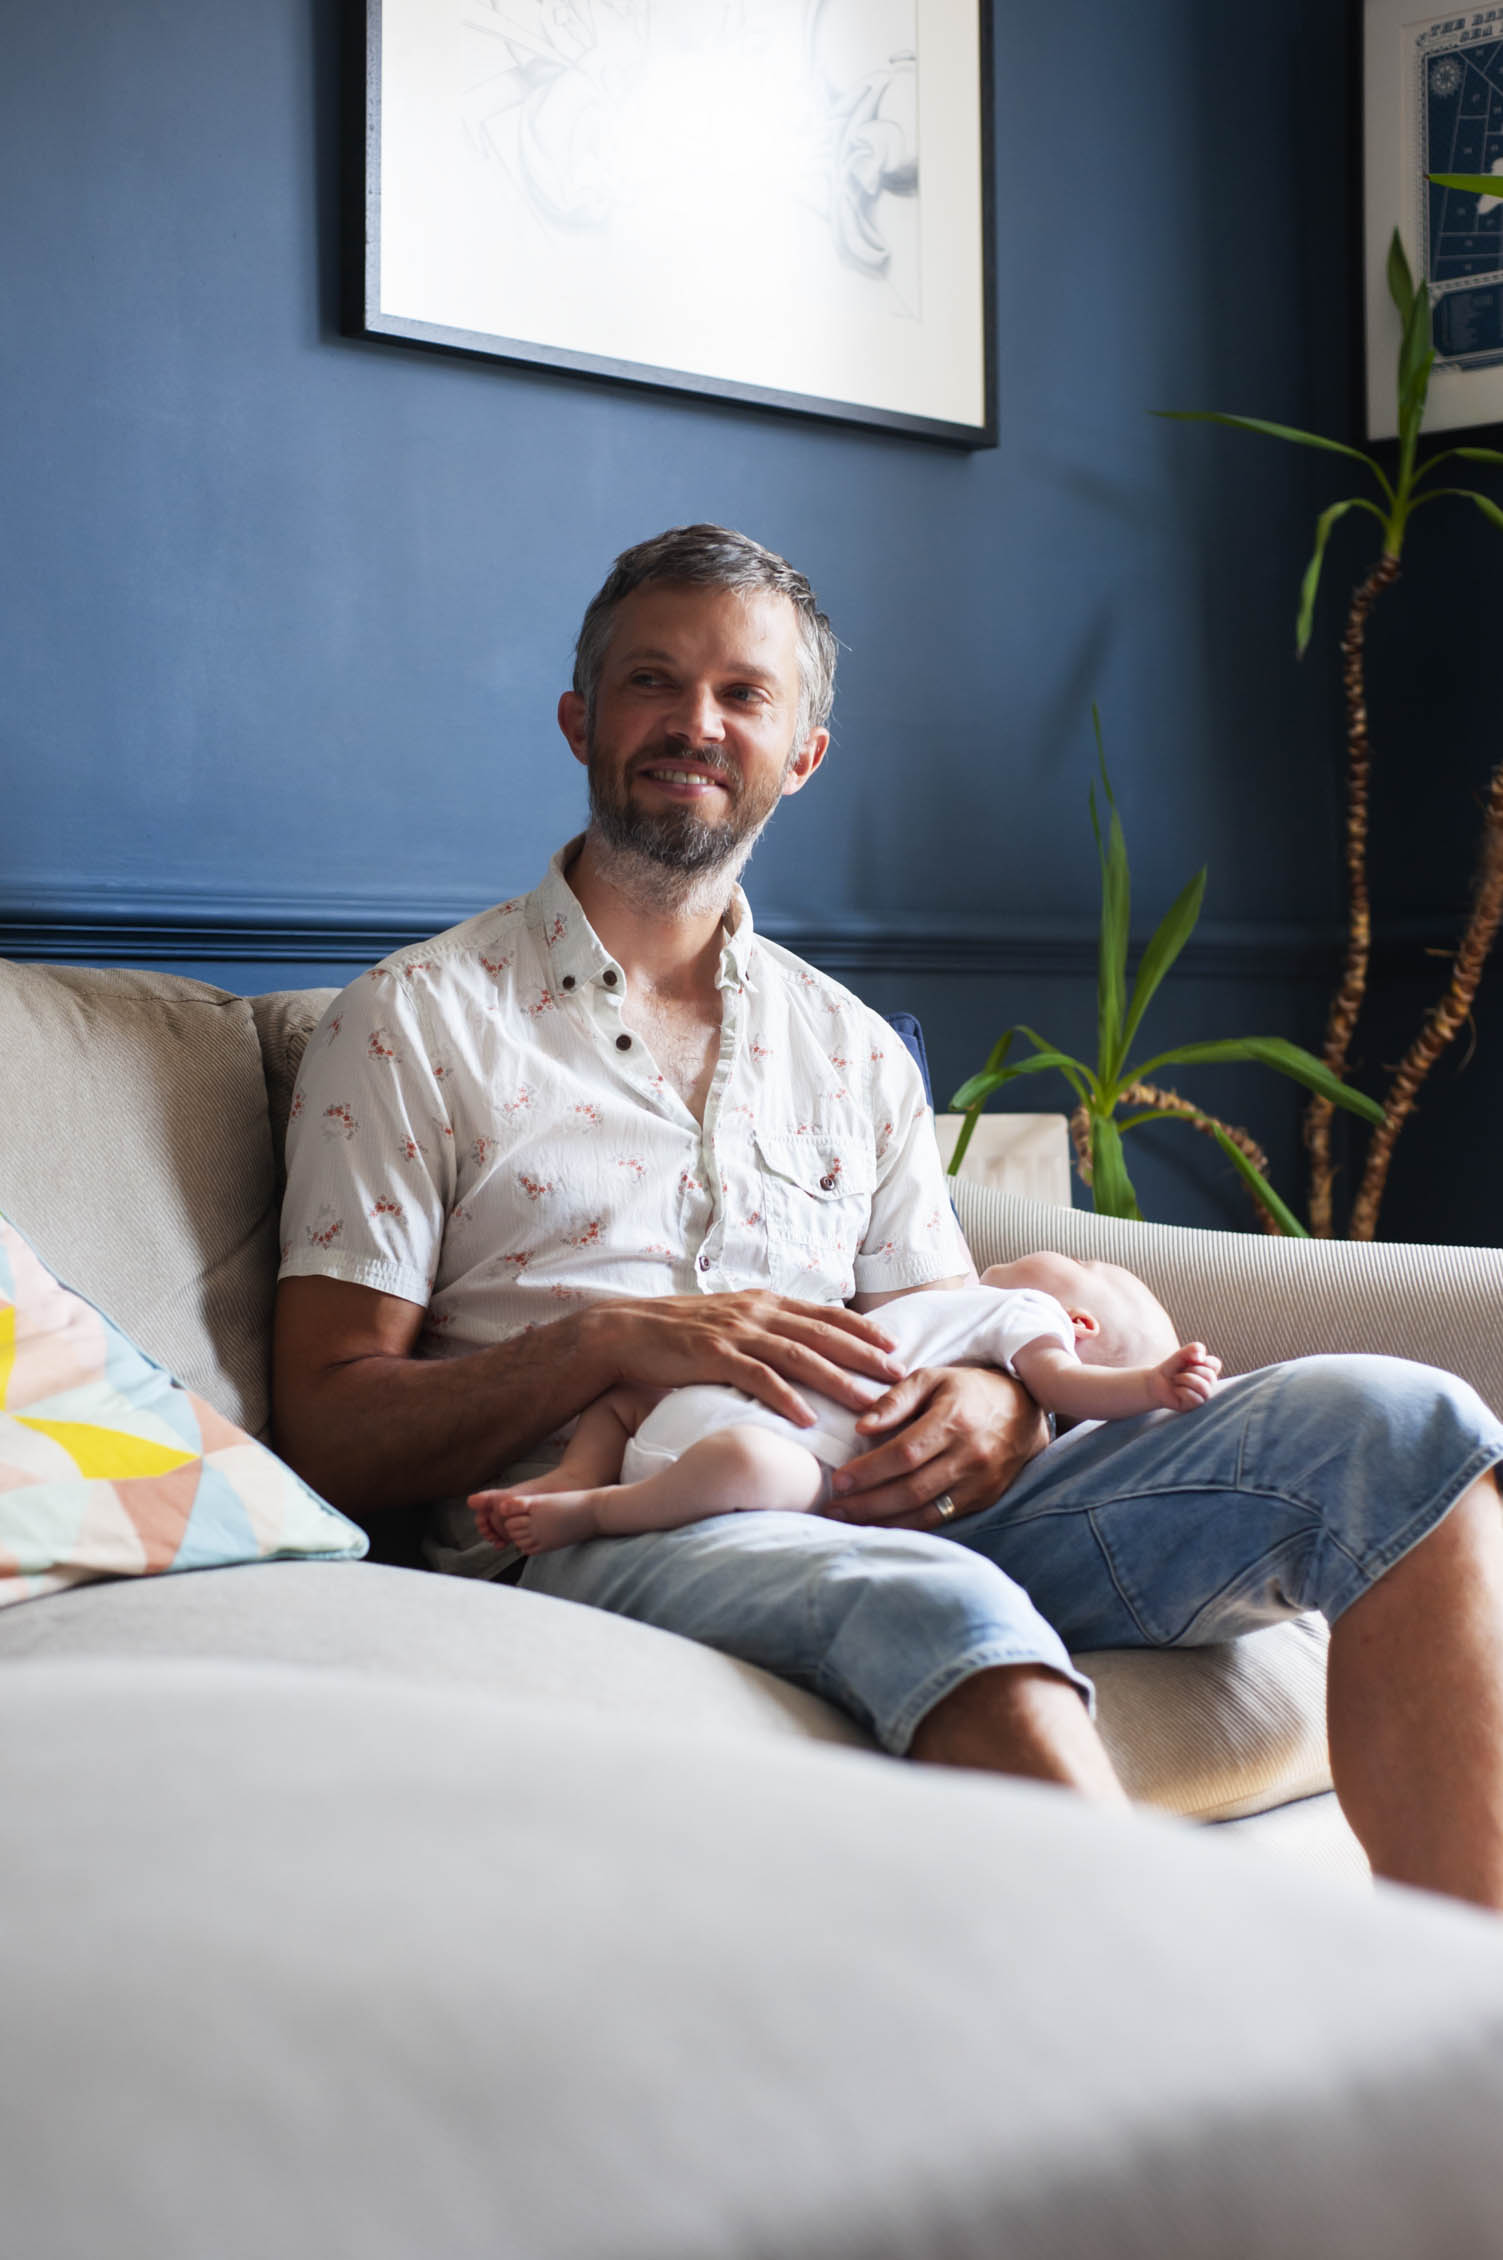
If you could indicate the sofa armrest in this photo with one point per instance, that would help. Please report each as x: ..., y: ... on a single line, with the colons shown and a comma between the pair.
x: 1257, y: 1300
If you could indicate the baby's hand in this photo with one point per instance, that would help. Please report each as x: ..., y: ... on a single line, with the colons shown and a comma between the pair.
x: 1186, y: 1378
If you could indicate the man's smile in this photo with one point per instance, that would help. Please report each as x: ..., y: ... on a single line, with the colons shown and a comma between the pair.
x: 683, y: 780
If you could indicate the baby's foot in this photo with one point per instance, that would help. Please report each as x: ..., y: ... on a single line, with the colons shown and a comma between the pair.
x: 536, y: 1524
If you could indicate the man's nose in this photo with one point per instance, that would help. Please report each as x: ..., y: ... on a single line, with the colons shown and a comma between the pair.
x: 696, y: 716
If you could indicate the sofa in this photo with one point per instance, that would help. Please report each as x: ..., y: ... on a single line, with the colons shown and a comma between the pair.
x: 350, y: 1909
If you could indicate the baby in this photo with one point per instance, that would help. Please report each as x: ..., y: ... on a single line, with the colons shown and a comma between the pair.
x: 1087, y: 1340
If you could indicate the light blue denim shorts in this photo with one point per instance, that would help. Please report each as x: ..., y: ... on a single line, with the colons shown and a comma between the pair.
x: 1293, y: 1489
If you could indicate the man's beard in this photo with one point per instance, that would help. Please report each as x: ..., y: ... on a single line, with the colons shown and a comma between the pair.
x: 677, y: 839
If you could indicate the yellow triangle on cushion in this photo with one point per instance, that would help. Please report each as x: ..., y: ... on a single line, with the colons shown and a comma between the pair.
x: 7, y: 1347
x: 111, y: 1454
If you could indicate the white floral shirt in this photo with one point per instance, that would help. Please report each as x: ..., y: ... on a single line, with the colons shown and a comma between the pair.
x: 476, y: 1130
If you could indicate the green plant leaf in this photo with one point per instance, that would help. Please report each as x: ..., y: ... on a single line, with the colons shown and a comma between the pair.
x: 1116, y: 912
x: 1285, y: 1218
x: 1276, y: 431
x: 980, y: 1087
x: 1466, y: 454
x: 1169, y: 938
x: 1400, y: 280
x: 1311, y: 582
x: 1471, y: 184
x: 995, y: 1058
x: 1416, y: 359
x: 967, y: 1132
x: 1080, y: 1076
x: 1288, y: 1223
x: 1111, y: 1188
x: 1484, y: 502
x: 1268, y: 1051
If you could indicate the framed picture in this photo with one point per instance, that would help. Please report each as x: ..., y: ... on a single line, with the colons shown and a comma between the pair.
x: 1432, y: 102
x: 785, y: 202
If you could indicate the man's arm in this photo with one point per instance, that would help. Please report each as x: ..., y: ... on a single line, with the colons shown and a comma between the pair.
x: 370, y: 1425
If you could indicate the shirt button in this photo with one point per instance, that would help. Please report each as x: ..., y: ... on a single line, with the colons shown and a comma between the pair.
x: 623, y: 1043
x: 568, y: 981
x: 704, y: 1263
x: 609, y: 977
x: 827, y: 1184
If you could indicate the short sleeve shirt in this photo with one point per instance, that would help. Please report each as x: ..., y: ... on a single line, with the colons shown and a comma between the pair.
x: 476, y: 1130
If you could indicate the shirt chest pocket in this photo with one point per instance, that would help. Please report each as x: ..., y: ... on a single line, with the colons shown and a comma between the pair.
x: 816, y: 1200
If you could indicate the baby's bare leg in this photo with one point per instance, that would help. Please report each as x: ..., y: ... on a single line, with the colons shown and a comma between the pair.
x: 733, y: 1470
x: 592, y: 1456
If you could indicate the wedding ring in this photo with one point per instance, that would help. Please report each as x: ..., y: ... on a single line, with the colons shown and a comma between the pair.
x: 944, y: 1506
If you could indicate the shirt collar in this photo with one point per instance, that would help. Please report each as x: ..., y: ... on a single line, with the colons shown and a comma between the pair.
x: 576, y: 954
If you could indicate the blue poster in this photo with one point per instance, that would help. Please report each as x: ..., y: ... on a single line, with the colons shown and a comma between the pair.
x: 1461, y: 131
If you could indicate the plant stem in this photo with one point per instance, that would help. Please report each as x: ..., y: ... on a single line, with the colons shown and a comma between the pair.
x: 1445, y: 1019
x: 1347, y: 1002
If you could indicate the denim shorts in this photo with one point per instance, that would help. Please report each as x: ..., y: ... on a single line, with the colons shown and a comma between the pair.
x: 1293, y: 1489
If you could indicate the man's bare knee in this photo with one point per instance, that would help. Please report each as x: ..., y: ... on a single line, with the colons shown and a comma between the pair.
x: 1023, y: 1719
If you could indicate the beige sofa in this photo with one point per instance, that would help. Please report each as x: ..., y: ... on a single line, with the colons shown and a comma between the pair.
x: 349, y: 1909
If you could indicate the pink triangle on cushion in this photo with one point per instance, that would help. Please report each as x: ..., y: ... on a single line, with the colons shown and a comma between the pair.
x: 57, y: 1332
x: 217, y: 1433
x: 106, y: 1539
x: 17, y: 1478
x: 159, y: 1506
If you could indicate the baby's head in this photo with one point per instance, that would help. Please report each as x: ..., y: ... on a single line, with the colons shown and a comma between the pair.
x: 1117, y: 1321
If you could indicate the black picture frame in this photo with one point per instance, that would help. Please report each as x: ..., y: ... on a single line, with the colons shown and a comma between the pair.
x: 447, y: 192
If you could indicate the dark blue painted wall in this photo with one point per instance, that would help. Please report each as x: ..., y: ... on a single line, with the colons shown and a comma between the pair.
x: 283, y: 616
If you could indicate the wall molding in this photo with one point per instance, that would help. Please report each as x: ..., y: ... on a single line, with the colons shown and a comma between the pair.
x: 74, y: 926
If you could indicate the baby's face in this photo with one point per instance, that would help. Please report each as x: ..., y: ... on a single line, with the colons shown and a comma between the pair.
x: 1125, y: 1324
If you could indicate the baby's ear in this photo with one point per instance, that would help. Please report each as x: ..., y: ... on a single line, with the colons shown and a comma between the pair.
x: 1084, y: 1322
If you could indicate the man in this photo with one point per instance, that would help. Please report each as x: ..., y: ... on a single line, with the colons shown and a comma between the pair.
x: 606, y: 1134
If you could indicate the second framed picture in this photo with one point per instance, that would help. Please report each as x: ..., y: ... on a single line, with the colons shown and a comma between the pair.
x: 1432, y: 102
x: 786, y: 202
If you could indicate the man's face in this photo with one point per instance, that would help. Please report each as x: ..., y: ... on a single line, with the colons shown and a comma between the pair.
x: 692, y: 742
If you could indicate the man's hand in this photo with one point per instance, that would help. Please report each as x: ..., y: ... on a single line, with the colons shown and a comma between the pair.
x: 961, y: 1431
x: 768, y: 1345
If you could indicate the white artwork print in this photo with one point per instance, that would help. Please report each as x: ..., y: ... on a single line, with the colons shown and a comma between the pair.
x: 746, y: 190
x: 1434, y: 103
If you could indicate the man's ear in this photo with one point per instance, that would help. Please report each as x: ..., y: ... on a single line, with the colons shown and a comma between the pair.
x: 574, y: 721
x: 808, y: 758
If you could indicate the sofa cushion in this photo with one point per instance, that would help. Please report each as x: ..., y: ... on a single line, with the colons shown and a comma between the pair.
x: 135, y: 1155
x: 296, y: 1965
x: 110, y: 1467
x: 1211, y: 1733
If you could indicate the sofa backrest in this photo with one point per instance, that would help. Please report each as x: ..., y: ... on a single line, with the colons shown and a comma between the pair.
x: 136, y: 1156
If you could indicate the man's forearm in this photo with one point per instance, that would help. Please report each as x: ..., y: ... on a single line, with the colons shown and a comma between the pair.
x: 380, y: 1431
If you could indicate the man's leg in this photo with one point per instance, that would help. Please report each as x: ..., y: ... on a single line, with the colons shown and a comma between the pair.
x: 887, y: 1624
x: 1416, y: 1708
x: 1019, y: 1720
x: 1357, y: 1486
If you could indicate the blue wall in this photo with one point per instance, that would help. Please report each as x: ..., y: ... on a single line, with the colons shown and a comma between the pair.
x: 283, y: 615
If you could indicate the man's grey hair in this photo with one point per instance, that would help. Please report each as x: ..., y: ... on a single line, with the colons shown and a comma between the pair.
x: 712, y: 557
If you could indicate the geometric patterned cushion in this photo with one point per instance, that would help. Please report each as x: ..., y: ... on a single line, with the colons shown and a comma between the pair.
x: 111, y: 1468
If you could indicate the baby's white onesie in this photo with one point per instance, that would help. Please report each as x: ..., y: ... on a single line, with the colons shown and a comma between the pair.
x: 936, y: 1326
